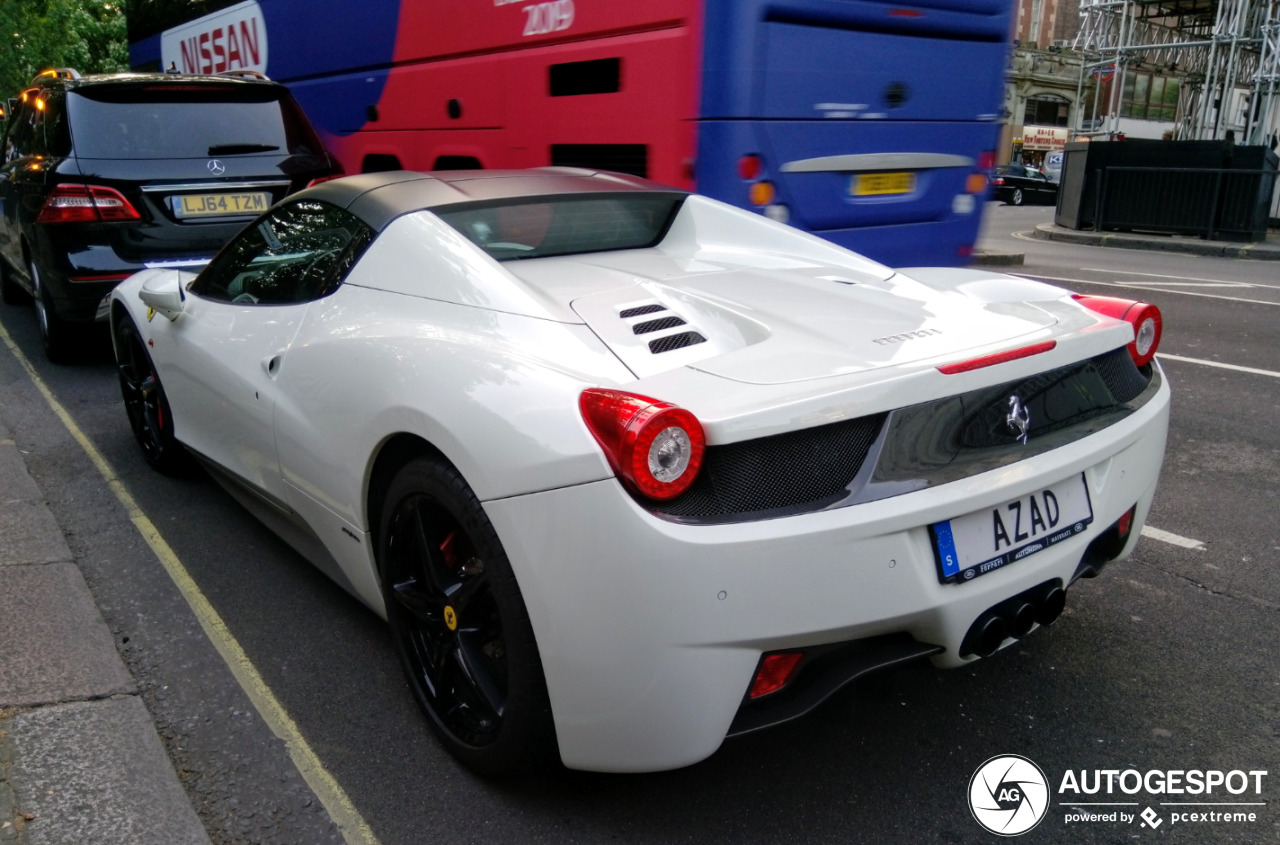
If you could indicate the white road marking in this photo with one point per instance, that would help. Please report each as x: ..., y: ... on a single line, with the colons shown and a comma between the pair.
x: 1172, y: 539
x: 1153, y: 285
x: 1226, y: 282
x: 1041, y: 278
x: 1164, y: 357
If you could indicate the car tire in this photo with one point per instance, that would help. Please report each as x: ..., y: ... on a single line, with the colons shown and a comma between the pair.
x: 10, y: 291
x: 459, y: 623
x: 146, y: 404
x: 54, y: 332
x: 1016, y: 198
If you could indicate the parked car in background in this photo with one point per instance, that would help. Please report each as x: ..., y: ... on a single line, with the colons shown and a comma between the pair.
x: 106, y: 175
x: 629, y: 470
x: 1017, y: 184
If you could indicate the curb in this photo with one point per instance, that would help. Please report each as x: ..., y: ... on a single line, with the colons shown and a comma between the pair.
x: 997, y: 258
x: 1265, y: 251
x: 80, y: 757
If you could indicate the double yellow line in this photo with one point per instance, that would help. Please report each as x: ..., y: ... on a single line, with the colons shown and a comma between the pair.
x: 355, y: 830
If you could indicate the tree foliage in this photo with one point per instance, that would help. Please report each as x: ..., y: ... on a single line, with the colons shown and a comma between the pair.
x: 88, y: 35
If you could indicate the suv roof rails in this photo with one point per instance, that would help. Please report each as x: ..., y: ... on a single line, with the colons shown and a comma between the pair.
x: 57, y: 73
x: 244, y: 73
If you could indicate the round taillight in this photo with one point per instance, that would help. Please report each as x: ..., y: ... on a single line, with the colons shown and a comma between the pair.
x: 762, y: 193
x: 1147, y: 322
x: 655, y: 447
x: 749, y: 167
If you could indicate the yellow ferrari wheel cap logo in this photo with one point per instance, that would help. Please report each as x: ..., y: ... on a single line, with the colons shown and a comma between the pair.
x: 450, y: 618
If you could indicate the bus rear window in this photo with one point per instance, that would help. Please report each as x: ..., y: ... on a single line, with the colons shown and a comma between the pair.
x: 567, y: 225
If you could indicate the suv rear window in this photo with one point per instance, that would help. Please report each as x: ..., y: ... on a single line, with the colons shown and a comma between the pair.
x: 564, y: 225
x: 161, y: 120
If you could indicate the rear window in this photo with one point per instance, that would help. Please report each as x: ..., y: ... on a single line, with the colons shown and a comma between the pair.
x: 567, y: 225
x: 187, y: 121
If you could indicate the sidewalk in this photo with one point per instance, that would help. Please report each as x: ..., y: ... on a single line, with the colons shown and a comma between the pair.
x: 1268, y: 250
x: 80, y: 759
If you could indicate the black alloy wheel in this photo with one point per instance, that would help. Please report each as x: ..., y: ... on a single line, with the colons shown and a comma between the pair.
x: 459, y: 624
x: 145, y: 402
x: 53, y: 330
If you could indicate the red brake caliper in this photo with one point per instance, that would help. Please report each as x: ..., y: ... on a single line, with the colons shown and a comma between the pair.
x: 447, y: 550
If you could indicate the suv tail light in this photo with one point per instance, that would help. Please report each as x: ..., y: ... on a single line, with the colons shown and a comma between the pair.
x: 656, y: 448
x: 338, y: 173
x: 1147, y: 322
x: 86, y: 204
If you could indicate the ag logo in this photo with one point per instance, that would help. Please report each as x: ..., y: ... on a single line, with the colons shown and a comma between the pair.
x: 1008, y: 795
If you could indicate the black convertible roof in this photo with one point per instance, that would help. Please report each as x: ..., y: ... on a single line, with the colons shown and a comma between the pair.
x: 379, y: 198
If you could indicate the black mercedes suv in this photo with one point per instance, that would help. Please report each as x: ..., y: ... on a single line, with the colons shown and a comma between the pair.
x: 105, y: 175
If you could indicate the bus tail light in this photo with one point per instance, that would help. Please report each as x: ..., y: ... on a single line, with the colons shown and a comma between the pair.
x: 1147, y: 322
x: 763, y: 193
x: 86, y: 204
x: 976, y: 183
x: 655, y: 447
x: 750, y: 167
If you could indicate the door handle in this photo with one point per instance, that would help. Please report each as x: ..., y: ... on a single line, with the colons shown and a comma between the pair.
x: 271, y: 364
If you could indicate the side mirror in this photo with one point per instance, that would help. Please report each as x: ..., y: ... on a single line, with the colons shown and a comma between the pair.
x: 163, y: 294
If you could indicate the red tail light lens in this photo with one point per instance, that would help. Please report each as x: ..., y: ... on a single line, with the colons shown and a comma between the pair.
x: 1147, y: 322
x: 338, y: 173
x: 775, y: 672
x: 86, y: 204
x: 1125, y: 525
x: 749, y: 167
x: 655, y: 447
x: 986, y: 160
x: 997, y: 358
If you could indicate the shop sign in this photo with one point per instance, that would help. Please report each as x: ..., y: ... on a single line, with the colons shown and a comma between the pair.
x: 1044, y: 137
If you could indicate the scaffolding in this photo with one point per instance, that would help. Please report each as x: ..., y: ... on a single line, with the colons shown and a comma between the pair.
x: 1225, y: 55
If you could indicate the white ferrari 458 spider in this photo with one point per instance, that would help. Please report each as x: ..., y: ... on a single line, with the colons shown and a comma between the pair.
x: 628, y: 470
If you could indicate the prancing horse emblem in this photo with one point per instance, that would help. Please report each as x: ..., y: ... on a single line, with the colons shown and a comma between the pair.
x: 216, y: 167
x: 1019, y: 419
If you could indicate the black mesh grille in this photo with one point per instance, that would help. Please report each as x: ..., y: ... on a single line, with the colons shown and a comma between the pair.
x: 675, y: 341
x: 783, y: 473
x: 657, y: 325
x: 1121, y: 375
x: 642, y: 309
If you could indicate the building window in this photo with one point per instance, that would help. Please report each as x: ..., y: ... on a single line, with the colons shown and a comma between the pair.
x: 1149, y: 96
x: 1047, y: 111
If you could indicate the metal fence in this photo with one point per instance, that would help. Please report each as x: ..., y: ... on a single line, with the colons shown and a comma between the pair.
x: 1213, y: 203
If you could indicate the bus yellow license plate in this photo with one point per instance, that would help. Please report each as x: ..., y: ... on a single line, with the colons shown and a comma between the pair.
x: 221, y: 205
x: 879, y: 184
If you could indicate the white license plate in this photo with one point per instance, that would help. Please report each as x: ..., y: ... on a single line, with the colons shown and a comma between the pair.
x: 985, y: 540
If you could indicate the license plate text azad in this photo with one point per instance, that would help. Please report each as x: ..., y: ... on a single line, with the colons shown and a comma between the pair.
x: 1042, y: 514
x: 986, y: 540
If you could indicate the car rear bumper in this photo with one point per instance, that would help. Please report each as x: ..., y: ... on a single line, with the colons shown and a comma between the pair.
x: 650, y: 631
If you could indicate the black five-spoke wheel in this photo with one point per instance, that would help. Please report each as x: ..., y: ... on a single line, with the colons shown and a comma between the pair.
x: 145, y: 402
x: 459, y: 624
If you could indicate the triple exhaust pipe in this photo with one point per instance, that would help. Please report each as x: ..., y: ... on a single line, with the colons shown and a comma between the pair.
x: 1014, y: 617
